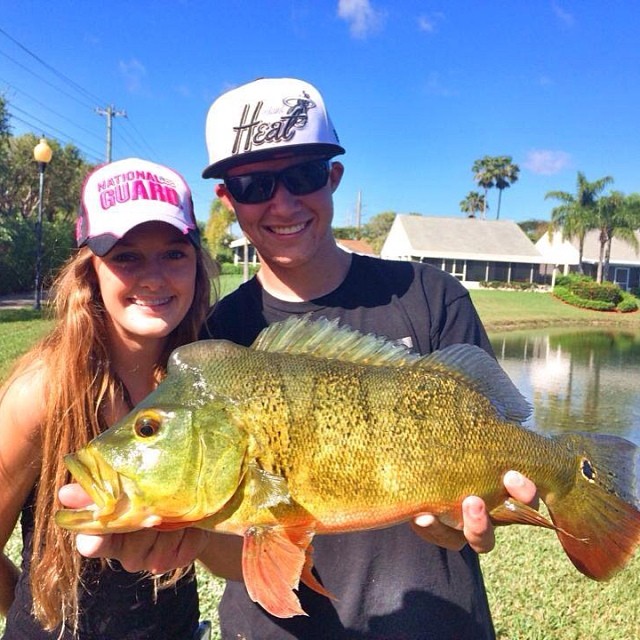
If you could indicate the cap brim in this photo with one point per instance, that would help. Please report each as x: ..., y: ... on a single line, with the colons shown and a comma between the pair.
x: 102, y: 244
x: 218, y: 169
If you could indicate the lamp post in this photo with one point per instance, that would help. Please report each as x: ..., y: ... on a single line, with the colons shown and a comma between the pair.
x: 42, y: 155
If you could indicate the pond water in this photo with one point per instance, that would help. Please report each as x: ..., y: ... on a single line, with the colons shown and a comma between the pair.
x: 576, y: 380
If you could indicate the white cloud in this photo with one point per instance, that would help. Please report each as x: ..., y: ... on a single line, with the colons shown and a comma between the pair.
x: 134, y: 72
x: 426, y: 24
x: 546, y: 162
x: 564, y: 16
x: 429, y: 23
x: 436, y: 86
x: 361, y: 16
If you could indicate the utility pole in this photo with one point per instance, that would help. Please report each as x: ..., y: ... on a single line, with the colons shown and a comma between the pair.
x: 358, y: 211
x: 111, y: 113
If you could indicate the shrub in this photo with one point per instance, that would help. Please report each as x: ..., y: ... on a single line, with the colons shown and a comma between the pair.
x: 513, y: 285
x: 228, y: 269
x: 628, y: 303
x: 566, y: 295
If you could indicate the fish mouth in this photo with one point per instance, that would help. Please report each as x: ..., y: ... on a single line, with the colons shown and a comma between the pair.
x: 115, y: 507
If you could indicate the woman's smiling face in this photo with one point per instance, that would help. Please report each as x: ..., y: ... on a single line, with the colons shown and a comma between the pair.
x: 147, y: 282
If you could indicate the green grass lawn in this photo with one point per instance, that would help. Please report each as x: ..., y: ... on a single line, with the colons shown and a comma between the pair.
x: 534, y: 591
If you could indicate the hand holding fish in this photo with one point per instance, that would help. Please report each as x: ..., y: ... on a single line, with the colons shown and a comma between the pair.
x: 477, y: 530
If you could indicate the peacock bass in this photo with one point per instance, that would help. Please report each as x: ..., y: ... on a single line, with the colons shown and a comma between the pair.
x: 318, y: 429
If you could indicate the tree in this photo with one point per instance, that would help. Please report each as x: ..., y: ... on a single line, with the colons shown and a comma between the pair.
x: 19, y: 181
x: 617, y: 215
x: 505, y: 174
x: 473, y: 203
x: 216, y: 231
x: 375, y: 231
x: 534, y: 229
x: 19, y: 199
x: 577, y: 215
x: 495, y: 171
x: 483, y: 174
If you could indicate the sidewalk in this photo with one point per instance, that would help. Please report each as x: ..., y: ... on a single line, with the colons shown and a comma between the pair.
x: 19, y: 300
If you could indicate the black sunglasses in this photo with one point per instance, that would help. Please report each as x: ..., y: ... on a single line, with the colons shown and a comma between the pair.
x: 299, y: 179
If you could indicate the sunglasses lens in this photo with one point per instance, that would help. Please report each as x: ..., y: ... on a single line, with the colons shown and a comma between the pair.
x: 300, y: 179
x: 252, y: 188
x: 306, y: 178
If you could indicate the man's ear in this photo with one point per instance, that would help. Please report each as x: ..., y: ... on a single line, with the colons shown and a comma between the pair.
x: 223, y: 194
x: 335, y: 174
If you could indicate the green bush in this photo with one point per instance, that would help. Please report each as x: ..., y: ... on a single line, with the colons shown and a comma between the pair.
x: 227, y: 269
x: 18, y: 252
x: 514, y: 285
x: 628, y: 304
x: 568, y: 296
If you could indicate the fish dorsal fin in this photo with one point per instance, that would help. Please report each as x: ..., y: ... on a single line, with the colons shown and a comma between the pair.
x: 476, y: 368
x: 322, y: 338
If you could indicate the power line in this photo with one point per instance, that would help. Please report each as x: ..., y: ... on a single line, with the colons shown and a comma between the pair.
x: 110, y: 111
x: 50, y: 68
x: 59, y: 115
x: 91, y: 154
x: 39, y: 77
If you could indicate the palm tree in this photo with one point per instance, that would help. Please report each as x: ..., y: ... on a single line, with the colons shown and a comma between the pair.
x: 505, y: 174
x: 577, y: 215
x: 473, y: 203
x: 617, y: 216
x: 483, y: 174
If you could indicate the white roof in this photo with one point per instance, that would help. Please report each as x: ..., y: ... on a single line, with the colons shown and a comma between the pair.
x: 560, y: 251
x: 414, y: 236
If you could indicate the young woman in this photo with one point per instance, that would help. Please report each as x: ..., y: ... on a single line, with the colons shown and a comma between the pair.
x: 138, y: 287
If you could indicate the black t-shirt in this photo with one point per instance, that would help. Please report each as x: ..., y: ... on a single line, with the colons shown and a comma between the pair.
x: 389, y: 583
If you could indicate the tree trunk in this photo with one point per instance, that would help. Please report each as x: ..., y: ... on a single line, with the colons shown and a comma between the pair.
x: 607, y: 259
x: 580, y: 253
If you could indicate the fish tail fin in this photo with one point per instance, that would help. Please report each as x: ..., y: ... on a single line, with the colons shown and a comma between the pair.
x: 598, y: 521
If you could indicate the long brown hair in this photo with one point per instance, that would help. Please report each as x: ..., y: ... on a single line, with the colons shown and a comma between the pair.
x: 79, y: 384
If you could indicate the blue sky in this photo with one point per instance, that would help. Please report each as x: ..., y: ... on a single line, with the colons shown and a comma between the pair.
x: 417, y: 90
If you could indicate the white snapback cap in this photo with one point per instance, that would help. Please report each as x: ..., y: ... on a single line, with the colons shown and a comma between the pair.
x: 121, y: 195
x: 267, y: 118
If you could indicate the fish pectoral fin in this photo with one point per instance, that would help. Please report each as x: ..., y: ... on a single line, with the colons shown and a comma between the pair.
x: 273, y: 561
x: 515, y: 512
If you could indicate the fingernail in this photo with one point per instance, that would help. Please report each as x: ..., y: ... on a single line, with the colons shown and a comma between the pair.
x: 514, y: 479
x: 424, y: 520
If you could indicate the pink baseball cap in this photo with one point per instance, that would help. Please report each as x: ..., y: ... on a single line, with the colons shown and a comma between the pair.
x: 120, y: 195
x: 266, y: 118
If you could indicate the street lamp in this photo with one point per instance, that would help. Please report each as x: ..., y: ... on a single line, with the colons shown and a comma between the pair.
x: 42, y: 154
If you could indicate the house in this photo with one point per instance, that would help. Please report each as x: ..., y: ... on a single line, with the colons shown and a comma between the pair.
x: 239, y: 246
x: 624, y: 262
x: 243, y: 251
x: 357, y: 246
x: 471, y: 249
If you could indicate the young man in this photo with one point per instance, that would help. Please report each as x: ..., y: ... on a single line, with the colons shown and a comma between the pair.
x: 271, y: 143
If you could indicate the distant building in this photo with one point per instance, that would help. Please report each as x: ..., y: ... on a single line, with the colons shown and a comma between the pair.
x: 624, y: 263
x: 470, y: 249
x: 357, y: 246
x: 238, y: 248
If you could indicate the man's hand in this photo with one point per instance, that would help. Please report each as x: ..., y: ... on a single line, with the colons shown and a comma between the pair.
x: 477, y: 530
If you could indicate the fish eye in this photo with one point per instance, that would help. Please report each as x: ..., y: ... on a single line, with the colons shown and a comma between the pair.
x: 147, y: 425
